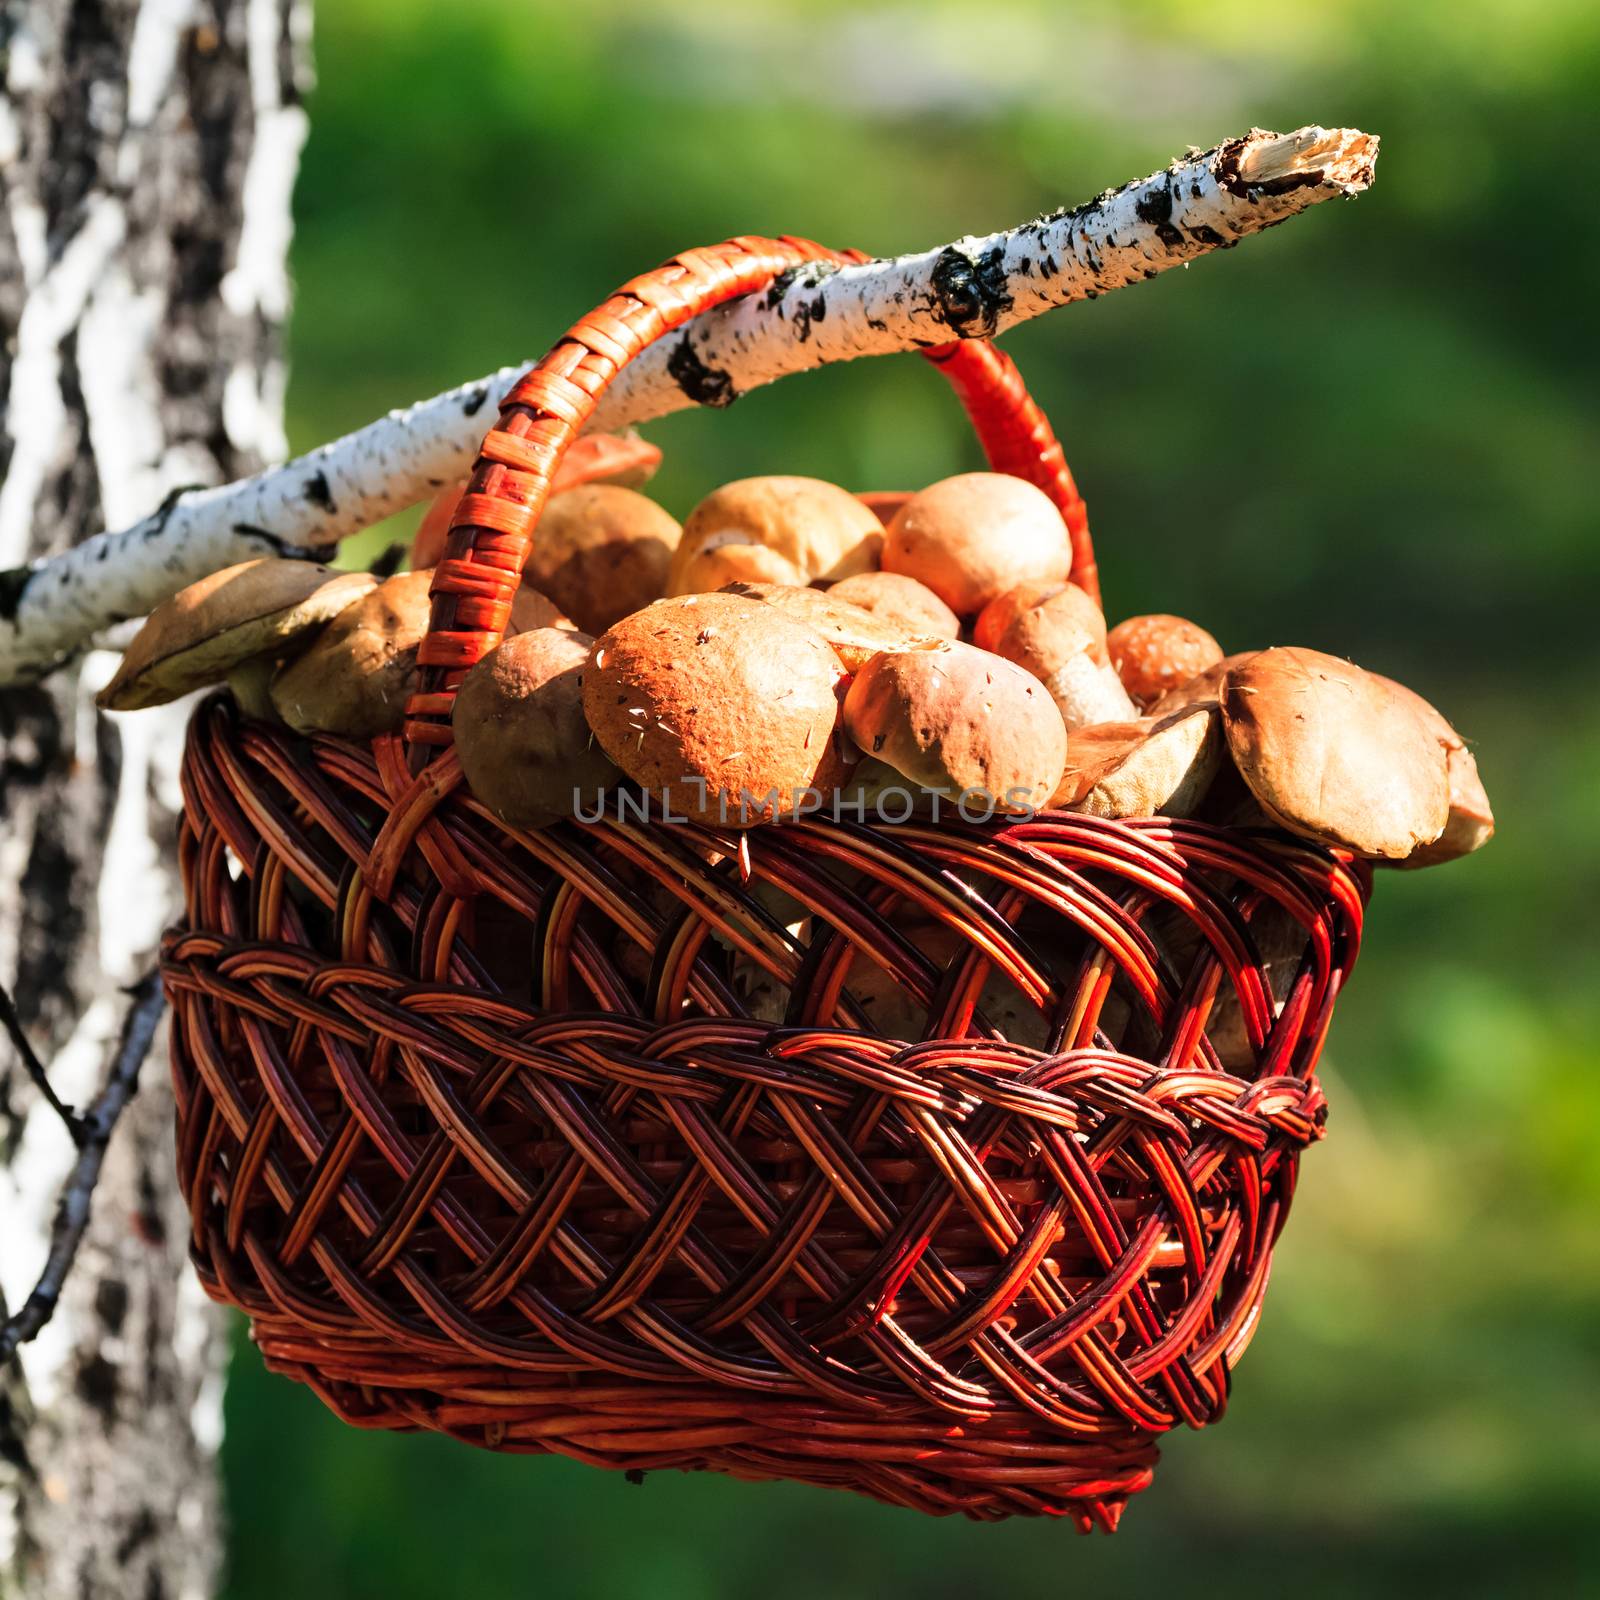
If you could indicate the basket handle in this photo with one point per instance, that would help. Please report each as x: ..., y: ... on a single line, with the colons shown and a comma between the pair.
x: 491, y: 531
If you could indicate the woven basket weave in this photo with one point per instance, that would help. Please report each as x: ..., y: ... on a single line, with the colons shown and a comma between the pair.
x: 480, y: 1129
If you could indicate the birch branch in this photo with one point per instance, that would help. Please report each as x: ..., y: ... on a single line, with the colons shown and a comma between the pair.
x: 974, y: 288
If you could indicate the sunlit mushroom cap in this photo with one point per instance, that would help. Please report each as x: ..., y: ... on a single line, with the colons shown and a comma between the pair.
x: 1471, y: 822
x: 1155, y: 653
x: 855, y: 634
x: 600, y: 551
x: 821, y: 529
x: 1055, y: 631
x: 960, y: 721
x: 894, y: 598
x: 720, y: 565
x: 1336, y: 754
x: 971, y: 537
x: 726, y: 707
x: 1204, y: 685
x: 1043, y: 617
x: 202, y: 633
x: 1142, y: 768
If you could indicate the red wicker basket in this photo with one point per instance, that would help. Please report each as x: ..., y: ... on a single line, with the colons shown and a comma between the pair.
x: 478, y: 1128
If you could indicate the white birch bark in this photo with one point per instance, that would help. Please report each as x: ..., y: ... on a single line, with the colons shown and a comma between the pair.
x: 976, y: 287
x: 147, y: 148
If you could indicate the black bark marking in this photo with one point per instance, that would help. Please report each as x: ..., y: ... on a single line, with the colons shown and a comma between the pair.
x: 13, y: 581
x: 317, y: 492
x: 1155, y: 208
x: 779, y: 287
x: 141, y: 1530
x: 704, y: 385
x: 971, y: 292
x: 98, y: 1383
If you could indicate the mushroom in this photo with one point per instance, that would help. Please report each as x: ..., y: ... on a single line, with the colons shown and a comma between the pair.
x: 1336, y: 754
x: 360, y: 671
x: 856, y: 635
x: 357, y: 675
x: 600, y: 551
x: 726, y: 709
x: 959, y: 721
x: 900, y: 600
x: 722, y: 564
x: 530, y: 610
x: 1142, y: 768
x: 821, y: 529
x: 520, y: 733
x: 1072, y: 608
x: 258, y: 610
x: 972, y: 537
x: 1471, y: 822
x: 1203, y: 686
x: 620, y: 458
x: 1154, y: 654
x: 1055, y: 631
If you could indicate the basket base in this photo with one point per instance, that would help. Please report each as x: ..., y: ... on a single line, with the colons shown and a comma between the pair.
x: 989, y: 1469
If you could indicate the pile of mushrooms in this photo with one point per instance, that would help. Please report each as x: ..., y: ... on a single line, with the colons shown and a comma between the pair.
x: 793, y: 647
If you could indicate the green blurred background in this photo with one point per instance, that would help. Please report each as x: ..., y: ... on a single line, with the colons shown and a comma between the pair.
x: 1373, y: 431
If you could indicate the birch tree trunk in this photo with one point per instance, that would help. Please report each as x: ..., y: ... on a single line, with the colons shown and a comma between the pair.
x: 147, y: 152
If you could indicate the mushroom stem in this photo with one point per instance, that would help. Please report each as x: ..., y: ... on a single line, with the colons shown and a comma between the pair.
x: 974, y: 288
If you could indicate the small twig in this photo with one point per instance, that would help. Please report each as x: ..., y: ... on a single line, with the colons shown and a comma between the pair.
x: 35, y: 1067
x: 94, y: 1134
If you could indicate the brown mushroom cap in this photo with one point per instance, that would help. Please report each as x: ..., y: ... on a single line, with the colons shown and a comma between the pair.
x: 601, y: 551
x: 958, y: 720
x: 823, y: 530
x: 894, y: 598
x: 361, y: 669
x: 1153, y: 654
x: 856, y: 635
x: 620, y: 458
x: 971, y: 537
x: 1336, y: 754
x: 1048, y: 615
x: 1203, y: 686
x: 1471, y: 822
x: 722, y: 564
x: 715, y: 696
x: 1055, y: 631
x: 520, y: 733
x: 530, y: 610
x: 203, y: 632
x: 1144, y: 768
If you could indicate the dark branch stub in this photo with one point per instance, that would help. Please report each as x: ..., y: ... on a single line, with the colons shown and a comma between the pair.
x: 35, y: 1067
x: 92, y: 1136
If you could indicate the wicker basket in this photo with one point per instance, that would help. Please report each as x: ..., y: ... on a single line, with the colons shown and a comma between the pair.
x: 479, y: 1128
